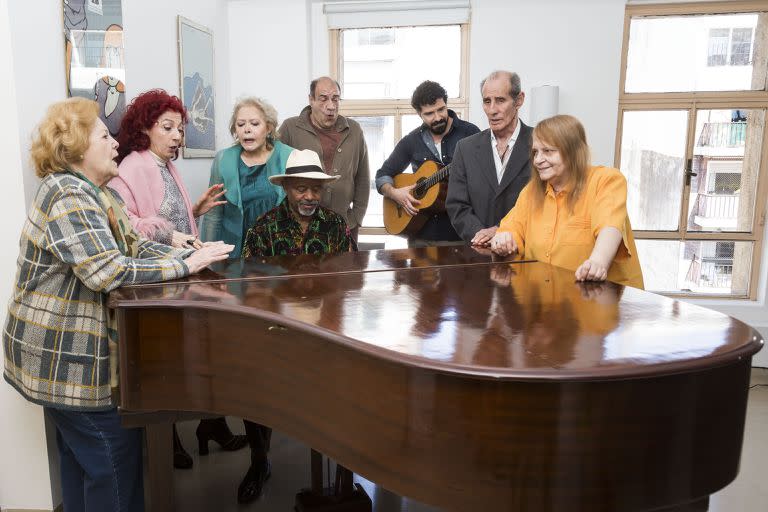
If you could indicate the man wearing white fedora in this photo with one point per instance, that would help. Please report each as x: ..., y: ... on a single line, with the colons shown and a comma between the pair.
x: 299, y: 225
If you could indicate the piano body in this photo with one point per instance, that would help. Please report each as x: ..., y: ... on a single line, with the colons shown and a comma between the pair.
x: 456, y: 378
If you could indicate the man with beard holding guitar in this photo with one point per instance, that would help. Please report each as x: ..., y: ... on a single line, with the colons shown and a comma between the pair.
x: 433, y: 141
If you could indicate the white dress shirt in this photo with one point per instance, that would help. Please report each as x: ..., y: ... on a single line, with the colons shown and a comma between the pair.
x: 502, y: 164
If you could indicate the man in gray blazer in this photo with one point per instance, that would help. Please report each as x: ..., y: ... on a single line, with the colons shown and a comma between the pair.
x: 490, y: 168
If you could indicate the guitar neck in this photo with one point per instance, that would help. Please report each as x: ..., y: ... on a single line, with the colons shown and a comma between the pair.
x: 435, y: 178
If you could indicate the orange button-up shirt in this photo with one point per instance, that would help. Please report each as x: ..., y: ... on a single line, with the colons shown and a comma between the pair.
x: 565, y: 238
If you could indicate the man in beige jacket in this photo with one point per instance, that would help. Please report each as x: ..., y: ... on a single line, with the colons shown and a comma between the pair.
x: 339, y: 142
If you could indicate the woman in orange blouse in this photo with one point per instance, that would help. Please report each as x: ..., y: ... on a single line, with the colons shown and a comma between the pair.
x: 571, y: 214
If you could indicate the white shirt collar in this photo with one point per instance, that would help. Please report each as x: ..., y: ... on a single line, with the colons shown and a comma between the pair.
x: 512, y: 138
x: 501, y: 165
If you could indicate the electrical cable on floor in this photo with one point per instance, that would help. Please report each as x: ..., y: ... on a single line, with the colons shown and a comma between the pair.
x: 758, y: 386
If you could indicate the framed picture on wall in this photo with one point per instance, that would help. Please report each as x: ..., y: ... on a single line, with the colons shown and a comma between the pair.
x: 94, y: 61
x: 197, y: 88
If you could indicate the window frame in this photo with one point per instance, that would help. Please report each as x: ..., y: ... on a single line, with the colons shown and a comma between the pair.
x: 692, y: 102
x: 395, y: 107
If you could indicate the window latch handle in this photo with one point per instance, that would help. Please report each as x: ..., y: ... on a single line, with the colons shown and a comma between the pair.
x: 689, y: 171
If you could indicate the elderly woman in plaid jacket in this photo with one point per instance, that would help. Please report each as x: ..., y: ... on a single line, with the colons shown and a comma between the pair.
x: 59, y: 338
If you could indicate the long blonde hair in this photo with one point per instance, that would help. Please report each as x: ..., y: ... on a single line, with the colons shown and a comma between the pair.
x: 63, y: 136
x: 567, y: 134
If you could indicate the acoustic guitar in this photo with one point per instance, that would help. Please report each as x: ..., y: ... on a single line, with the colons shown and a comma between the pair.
x: 431, y: 188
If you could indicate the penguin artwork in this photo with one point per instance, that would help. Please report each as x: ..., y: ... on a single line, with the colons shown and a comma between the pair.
x: 109, y: 93
x: 75, y: 25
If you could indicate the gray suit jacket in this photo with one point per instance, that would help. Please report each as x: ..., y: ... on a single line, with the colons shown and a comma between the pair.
x: 475, y: 198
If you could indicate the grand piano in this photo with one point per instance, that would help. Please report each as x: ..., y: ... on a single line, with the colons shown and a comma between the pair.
x: 450, y: 376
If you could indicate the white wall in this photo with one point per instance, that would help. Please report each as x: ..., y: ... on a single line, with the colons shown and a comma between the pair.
x: 269, y: 53
x: 24, y: 474
x: 38, y: 70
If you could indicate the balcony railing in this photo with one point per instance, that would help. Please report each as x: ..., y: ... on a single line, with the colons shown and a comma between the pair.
x: 720, y: 206
x: 723, y: 135
x: 710, y: 273
x: 716, y: 275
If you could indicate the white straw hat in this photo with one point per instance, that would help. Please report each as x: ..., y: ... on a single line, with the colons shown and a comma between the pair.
x: 302, y: 163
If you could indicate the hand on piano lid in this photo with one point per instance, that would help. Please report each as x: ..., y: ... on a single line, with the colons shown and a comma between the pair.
x: 592, y: 270
x: 484, y: 236
x: 185, y: 241
x: 503, y: 243
x: 201, y: 258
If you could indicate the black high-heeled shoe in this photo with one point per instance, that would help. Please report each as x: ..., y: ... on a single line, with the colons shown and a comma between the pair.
x: 253, y: 482
x: 181, y: 459
x: 216, y: 429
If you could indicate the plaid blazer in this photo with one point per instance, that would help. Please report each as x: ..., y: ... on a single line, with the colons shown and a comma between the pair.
x: 57, y: 350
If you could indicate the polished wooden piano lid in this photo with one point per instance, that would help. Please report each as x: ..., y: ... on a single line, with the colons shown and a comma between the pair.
x: 459, y: 311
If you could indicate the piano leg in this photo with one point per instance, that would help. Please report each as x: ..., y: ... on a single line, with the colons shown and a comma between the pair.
x: 344, y: 496
x: 316, y: 470
x: 158, y: 488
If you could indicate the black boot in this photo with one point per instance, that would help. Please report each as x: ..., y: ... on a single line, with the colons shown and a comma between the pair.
x: 181, y: 459
x: 216, y: 429
x: 253, y: 482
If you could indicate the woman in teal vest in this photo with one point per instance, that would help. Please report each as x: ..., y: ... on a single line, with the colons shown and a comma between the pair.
x: 244, y: 170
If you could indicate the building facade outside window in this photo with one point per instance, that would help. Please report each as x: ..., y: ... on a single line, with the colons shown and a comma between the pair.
x: 730, y: 46
x: 690, y: 139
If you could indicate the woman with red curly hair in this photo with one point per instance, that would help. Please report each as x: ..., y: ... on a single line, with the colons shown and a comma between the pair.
x: 151, y: 133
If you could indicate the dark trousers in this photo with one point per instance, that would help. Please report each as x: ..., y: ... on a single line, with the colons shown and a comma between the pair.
x: 259, y: 438
x: 101, y: 462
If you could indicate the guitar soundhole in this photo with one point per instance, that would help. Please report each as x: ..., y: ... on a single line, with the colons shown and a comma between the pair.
x: 418, y: 191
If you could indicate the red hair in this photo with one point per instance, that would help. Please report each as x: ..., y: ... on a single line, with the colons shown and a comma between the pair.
x: 141, y: 115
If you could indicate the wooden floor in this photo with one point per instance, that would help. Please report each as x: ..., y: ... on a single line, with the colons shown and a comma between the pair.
x: 212, y: 483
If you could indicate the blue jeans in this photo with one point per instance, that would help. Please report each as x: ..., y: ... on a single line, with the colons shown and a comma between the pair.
x: 101, y: 462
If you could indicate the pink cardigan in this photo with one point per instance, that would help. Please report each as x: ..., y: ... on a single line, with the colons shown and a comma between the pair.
x: 141, y: 187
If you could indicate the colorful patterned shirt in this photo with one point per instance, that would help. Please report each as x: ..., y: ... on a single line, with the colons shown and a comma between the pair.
x: 277, y: 232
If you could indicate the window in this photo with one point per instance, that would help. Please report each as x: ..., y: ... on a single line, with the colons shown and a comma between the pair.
x: 741, y: 46
x: 693, y: 52
x: 375, y: 36
x: 691, y: 130
x: 718, y: 46
x: 378, y: 69
x: 729, y: 46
